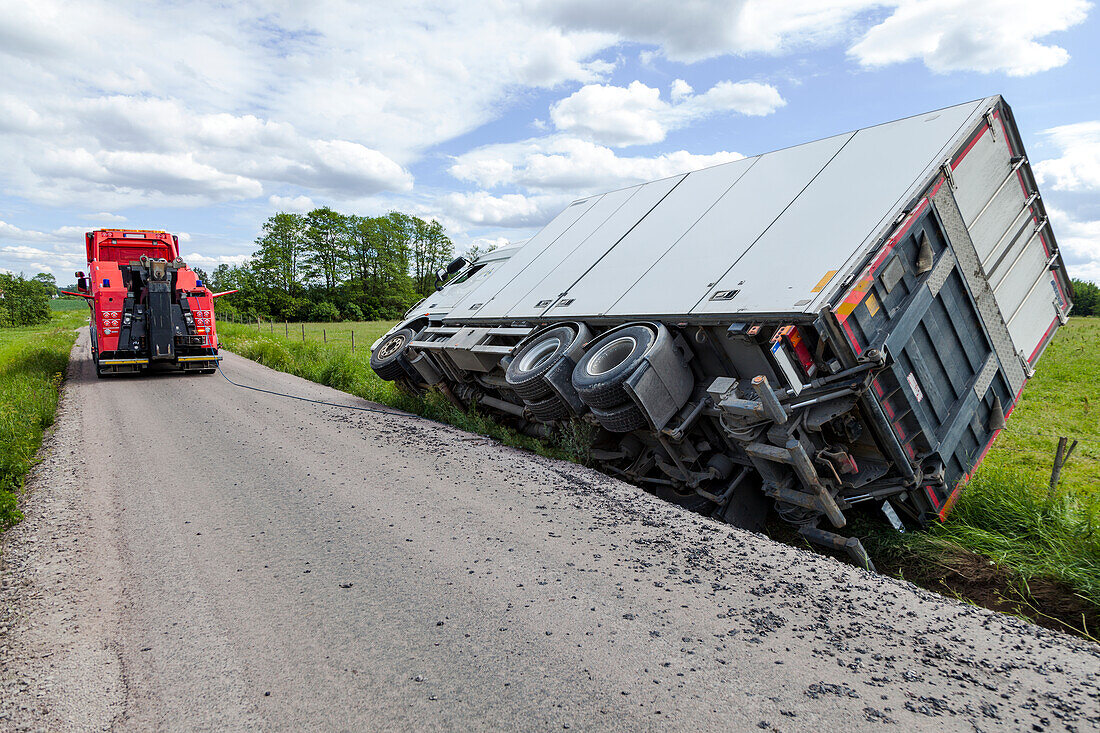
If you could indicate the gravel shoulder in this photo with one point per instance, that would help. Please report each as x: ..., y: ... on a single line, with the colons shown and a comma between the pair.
x: 197, y: 556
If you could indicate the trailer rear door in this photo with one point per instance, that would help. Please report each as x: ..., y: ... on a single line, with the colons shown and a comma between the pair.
x: 996, y: 197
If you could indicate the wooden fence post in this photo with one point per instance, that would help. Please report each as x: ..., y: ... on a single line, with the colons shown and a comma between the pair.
x: 303, y: 332
x: 1060, y: 459
x: 324, y: 335
x: 353, y: 341
x: 286, y: 329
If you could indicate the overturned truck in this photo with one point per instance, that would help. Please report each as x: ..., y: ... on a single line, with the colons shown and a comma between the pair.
x: 838, y: 324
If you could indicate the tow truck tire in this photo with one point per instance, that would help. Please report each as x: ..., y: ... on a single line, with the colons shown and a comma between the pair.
x: 548, y: 410
x: 599, y: 375
x: 386, y: 359
x: 621, y: 419
x: 531, y: 363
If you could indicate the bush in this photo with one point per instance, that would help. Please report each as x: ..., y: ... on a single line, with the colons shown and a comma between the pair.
x: 352, y: 312
x: 22, y: 302
x: 1086, y: 298
x: 324, y: 312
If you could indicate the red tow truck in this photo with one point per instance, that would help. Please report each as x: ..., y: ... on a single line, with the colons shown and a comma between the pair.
x: 149, y: 309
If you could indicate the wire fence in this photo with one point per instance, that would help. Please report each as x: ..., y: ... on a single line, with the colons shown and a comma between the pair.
x: 332, y: 333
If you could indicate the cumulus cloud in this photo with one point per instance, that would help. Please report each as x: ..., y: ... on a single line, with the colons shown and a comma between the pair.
x: 1079, y: 241
x: 295, y: 204
x: 1078, y: 166
x: 636, y: 114
x: 983, y: 35
x: 207, y: 263
x: 946, y: 35
x: 565, y: 163
x: 551, y: 172
x: 700, y: 29
x: 335, y: 96
x: 510, y: 210
x: 59, y: 252
x: 126, y: 151
x: 104, y: 217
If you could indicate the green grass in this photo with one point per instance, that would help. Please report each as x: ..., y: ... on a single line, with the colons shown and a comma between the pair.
x: 32, y: 365
x: 1046, y: 550
x: 69, y: 304
x: 1063, y: 398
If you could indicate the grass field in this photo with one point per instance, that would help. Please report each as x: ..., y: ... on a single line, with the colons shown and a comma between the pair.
x: 68, y: 304
x: 1045, y: 551
x: 338, y: 334
x: 32, y: 365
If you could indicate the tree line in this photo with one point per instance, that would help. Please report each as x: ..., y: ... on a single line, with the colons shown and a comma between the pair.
x: 329, y: 266
x: 25, y: 302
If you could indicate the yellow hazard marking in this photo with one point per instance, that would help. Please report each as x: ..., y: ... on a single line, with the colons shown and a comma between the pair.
x: 845, y: 309
x: 824, y: 281
x: 872, y: 304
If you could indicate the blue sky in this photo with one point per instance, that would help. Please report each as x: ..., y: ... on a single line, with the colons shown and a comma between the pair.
x: 205, y: 118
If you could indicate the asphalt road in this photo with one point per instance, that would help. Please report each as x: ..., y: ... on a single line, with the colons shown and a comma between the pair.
x: 200, y: 556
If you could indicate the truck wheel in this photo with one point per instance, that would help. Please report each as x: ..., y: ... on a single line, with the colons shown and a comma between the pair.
x: 599, y: 375
x: 548, y: 410
x: 386, y: 359
x: 621, y: 419
x: 526, y: 371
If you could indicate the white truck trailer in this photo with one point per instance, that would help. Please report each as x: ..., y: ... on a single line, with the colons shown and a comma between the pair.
x: 842, y: 323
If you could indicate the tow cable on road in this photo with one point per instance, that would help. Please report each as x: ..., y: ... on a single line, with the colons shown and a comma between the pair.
x: 307, y: 399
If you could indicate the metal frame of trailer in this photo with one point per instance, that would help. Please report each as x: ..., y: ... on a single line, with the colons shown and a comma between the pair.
x: 843, y: 322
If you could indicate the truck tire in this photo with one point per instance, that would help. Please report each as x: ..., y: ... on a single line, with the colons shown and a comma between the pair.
x: 621, y: 419
x: 599, y: 375
x: 386, y: 359
x: 526, y: 371
x: 548, y: 410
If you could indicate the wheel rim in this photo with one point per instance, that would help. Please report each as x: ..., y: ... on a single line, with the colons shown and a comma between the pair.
x: 538, y: 355
x: 611, y: 355
x: 391, y: 347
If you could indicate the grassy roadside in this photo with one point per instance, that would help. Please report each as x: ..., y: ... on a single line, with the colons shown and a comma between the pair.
x: 32, y: 365
x: 1008, y: 545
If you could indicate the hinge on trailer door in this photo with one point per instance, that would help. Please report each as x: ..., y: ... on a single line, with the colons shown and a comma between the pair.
x: 989, y: 121
x: 1028, y: 371
x: 945, y: 168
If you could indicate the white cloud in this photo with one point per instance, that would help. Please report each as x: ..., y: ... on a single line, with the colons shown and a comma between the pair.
x: 946, y: 35
x: 509, y: 210
x: 105, y: 217
x: 336, y: 96
x: 1079, y: 242
x: 981, y: 35
x: 613, y: 115
x: 699, y: 29
x: 1078, y: 167
x: 636, y: 114
x: 564, y: 163
x: 294, y: 204
x: 59, y: 252
x: 206, y: 262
